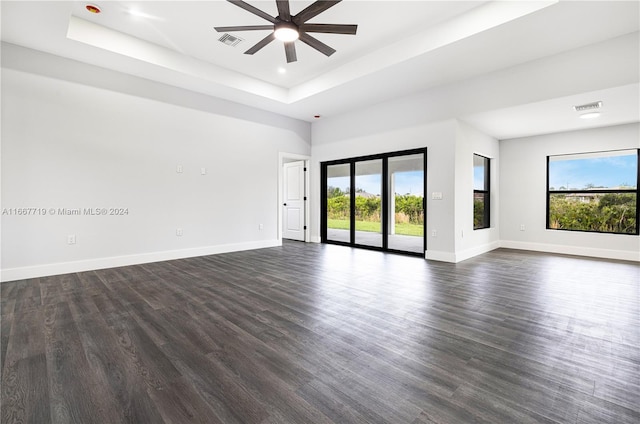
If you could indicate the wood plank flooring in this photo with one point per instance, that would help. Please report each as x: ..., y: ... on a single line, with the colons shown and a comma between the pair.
x: 308, y: 333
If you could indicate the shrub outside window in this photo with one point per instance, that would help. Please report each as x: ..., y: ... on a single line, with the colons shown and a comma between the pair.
x: 593, y: 192
x: 481, y: 192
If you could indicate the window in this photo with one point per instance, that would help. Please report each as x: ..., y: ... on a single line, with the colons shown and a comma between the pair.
x: 480, y: 192
x: 594, y: 192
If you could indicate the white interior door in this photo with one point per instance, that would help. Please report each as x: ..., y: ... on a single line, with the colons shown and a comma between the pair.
x: 293, y: 212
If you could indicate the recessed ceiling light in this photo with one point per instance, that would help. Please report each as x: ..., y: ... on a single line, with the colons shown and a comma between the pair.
x: 590, y: 115
x: 92, y: 8
x: 282, y: 71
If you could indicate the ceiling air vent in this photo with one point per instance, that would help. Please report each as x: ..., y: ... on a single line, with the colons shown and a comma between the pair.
x: 588, y: 106
x: 230, y: 40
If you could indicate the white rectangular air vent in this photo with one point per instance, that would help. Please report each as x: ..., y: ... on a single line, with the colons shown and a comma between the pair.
x: 588, y: 106
x: 230, y: 40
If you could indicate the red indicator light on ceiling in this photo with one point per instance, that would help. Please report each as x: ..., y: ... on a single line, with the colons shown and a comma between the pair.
x: 93, y: 9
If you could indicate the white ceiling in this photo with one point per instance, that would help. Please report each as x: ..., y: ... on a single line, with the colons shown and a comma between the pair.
x: 402, y: 47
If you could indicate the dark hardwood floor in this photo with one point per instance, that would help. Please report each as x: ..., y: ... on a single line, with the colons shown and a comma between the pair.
x: 310, y: 333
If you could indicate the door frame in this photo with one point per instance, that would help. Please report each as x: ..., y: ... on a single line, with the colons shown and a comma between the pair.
x: 284, y: 157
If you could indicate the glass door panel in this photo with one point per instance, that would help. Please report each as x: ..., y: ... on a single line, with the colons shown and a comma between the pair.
x: 368, y: 203
x: 406, y: 203
x: 339, y: 202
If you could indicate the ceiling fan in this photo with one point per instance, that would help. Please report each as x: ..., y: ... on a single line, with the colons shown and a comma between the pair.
x: 289, y: 28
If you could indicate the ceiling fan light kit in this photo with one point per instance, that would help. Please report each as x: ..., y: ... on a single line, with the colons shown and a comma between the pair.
x: 289, y: 28
x: 286, y: 31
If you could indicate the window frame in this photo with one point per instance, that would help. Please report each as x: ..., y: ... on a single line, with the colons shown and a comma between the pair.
x: 486, y: 194
x: 635, y: 191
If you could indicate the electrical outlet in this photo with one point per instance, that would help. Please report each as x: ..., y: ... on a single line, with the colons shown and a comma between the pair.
x: 71, y: 239
x: 260, y: 227
x: 179, y: 232
x: 179, y: 169
x: 203, y: 171
x: 434, y: 233
x: 521, y: 227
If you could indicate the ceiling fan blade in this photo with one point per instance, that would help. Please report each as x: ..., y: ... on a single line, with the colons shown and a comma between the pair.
x: 290, y: 51
x: 244, y: 28
x: 313, y: 10
x: 283, y: 10
x: 254, y: 10
x: 316, y: 44
x: 330, y: 28
x: 260, y: 44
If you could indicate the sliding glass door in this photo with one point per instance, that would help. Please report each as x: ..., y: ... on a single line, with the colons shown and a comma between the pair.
x: 337, y: 199
x: 406, y: 203
x: 368, y: 203
x: 376, y: 201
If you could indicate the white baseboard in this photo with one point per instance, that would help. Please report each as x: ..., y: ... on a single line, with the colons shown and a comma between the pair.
x: 436, y: 255
x: 623, y: 255
x: 475, y: 251
x: 12, y: 274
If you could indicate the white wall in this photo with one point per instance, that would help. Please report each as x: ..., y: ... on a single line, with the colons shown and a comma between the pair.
x: 438, y: 138
x: 78, y: 136
x: 523, y: 193
x: 70, y: 145
x: 470, y: 242
x: 450, y: 147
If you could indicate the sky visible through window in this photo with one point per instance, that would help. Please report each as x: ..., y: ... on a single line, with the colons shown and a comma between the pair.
x: 602, y: 172
x: 406, y: 183
x: 575, y: 174
x: 478, y: 178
